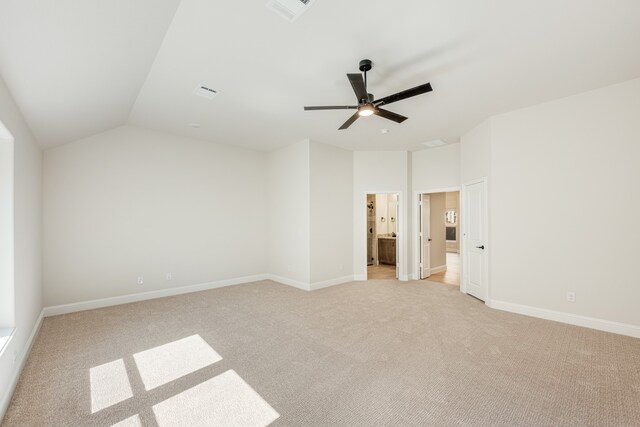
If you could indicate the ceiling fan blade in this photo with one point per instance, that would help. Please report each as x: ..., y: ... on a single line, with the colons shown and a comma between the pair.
x: 332, y: 107
x: 357, y: 83
x: 389, y: 115
x: 418, y: 90
x: 350, y: 121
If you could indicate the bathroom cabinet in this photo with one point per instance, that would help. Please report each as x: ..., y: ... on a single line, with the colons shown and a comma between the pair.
x: 387, y: 250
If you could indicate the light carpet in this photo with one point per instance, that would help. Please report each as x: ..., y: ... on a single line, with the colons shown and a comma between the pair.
x: 380, y: 353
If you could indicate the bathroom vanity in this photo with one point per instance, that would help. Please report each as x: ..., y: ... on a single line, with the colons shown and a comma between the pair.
x: 387, y: 250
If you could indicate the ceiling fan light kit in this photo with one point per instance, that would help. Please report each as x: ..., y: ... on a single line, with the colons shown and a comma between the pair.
x: 367, y: 104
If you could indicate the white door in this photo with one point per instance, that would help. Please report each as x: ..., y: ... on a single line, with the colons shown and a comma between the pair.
x: 395, y: 213
x: 425, y: 236
x: 475, y: 240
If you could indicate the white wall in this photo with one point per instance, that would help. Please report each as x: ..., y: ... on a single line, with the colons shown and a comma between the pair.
x: 27, y: 178
x: 475, y: 153
x: 331, y: 213
x: 436, y: 168
x: 131, y: 202
x: 289, y: 207
x: 559, y: 173
x: 383, y: 172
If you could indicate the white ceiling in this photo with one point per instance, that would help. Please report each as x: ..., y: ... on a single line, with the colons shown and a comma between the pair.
x: 80, y: 67
x: 75, y: 67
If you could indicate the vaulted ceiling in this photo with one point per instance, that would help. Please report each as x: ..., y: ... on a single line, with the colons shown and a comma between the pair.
x: 79, y: 67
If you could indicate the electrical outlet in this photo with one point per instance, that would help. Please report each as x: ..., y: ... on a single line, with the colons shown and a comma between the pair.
x: 571, y: 296
x: 140, y: 280
x: 168, y: 276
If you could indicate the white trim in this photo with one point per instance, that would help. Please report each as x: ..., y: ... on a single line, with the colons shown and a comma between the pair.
x: 126, y: 299
x: 438, y: 269
x: 289, y: 282
x: 310, y: 286
x: 572, y: 319
x: 359, y: 277
x: 143, y: 296
x: 330, y: 282
x: 18, y: 365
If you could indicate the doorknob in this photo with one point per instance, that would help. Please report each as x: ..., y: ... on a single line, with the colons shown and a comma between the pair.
x: 428, y: 240
x: 480, y: 247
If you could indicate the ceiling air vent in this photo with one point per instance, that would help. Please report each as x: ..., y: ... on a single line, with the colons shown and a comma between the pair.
x: 435, y: 143
x: 205, y: 92
x: 289, y: 9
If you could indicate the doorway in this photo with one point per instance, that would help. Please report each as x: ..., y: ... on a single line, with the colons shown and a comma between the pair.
x: 439, y: 237
x: 382, y: 236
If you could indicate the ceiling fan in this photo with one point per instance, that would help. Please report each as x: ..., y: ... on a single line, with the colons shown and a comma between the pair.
x: 367, y: 104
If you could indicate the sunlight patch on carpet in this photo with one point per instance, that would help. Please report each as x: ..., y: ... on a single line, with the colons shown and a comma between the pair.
x: 223, y: 400
x: 109, y: 385
x: 133, y: 421
x: 168, y: 362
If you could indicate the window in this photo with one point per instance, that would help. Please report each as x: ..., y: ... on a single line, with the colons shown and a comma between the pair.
x: 7, y: 301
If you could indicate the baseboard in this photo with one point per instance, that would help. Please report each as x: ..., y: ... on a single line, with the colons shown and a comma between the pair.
x: 438, y: 269
x: 126, y: 299
x: 331, y: 282
x: 572, y: 319
x: 289, y: 282
x: 359, y: 277
x: 18, y: 365
x: 415, y: 276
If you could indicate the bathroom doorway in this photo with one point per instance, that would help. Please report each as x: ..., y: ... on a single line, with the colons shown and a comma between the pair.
x: 382, y: 233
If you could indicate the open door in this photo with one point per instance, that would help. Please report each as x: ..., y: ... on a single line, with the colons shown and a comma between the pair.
x: 395, y: 213
x: 425, y: 236
x: 475, y: 240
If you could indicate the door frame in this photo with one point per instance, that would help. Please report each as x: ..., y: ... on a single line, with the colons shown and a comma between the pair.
x: 463, y: 241
x: 416, y: 227
x: 401, y: 227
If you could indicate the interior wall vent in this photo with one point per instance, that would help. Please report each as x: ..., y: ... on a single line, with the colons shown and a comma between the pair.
x: 289, y: 9
x: 205, y: 92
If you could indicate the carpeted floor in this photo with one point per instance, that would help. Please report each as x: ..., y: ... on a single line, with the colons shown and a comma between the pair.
x: 365, y: 353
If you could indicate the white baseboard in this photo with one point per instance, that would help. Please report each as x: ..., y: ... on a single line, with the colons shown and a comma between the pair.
x: 415, y: 276
x: 309, y: 286
x: 18, y: 365
x: 438, y: 269
x: 289, y: 282
x: 125, y: 299
x: 359, y: 277
x: 331, y: 282
x: 143, y: 296
x: 572, y: 319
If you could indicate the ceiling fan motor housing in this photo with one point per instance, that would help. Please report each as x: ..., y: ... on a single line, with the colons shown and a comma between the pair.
x: 366, y: 65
